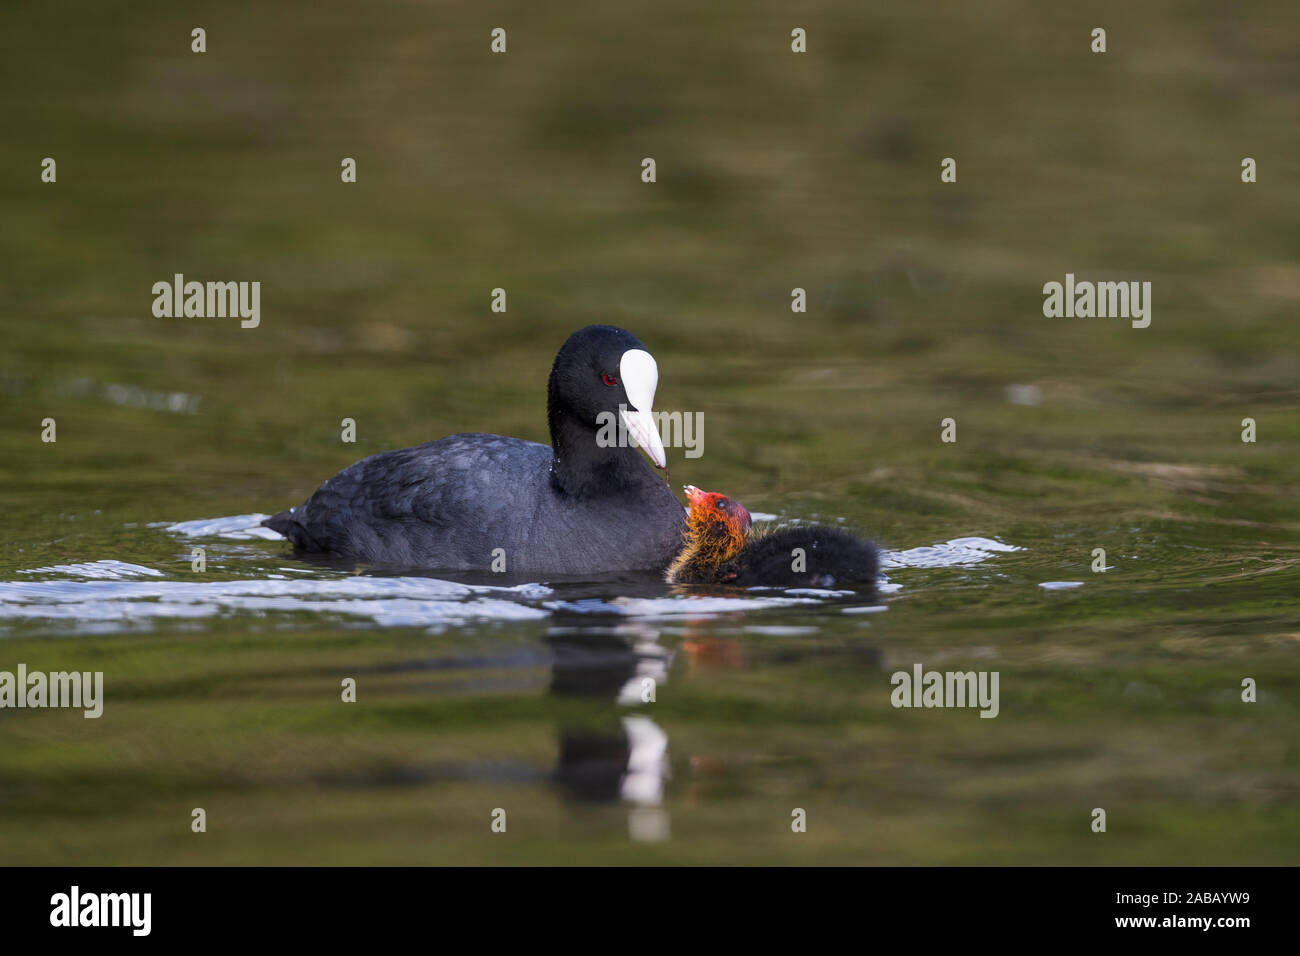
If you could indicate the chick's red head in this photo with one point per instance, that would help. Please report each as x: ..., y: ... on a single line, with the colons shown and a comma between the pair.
x: 709, y: 507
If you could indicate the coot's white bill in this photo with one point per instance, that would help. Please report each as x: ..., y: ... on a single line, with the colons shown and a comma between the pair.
x: 640, y: 377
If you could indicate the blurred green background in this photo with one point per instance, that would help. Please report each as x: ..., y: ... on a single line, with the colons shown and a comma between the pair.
x: 775, y: 171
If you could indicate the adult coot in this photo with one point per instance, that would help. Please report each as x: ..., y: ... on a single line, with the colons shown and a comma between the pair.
x: 588, y: 503
x: 720, y: 548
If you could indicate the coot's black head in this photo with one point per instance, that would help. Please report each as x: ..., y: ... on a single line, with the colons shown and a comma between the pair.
x: 603, y: 375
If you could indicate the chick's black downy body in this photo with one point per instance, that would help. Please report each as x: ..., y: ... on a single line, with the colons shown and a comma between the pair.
x: 812, y: 556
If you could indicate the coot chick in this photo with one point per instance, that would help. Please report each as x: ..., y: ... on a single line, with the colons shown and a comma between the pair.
x: 587, y: 503
x: 721, y: 548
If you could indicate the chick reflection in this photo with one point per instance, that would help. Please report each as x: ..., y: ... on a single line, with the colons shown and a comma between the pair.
x: 622, y: 756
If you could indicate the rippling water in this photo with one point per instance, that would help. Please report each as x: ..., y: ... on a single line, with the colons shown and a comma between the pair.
x: 109, y: 591
x: 635, y: 717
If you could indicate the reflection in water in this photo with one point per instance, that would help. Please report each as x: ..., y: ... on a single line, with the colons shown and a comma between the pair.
x: 592, y: 764
x: 627, y: 759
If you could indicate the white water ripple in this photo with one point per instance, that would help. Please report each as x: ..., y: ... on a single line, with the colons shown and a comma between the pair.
x: 98, y: 569
x: 959, y: 552
x: 233, y: 528
x: 404, y: 601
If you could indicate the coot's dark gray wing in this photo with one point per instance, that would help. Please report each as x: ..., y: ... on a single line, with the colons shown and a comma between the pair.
x: 445, y: 504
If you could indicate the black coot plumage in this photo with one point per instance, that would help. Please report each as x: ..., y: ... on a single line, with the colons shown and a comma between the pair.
x: 720, y: 548
x: 585, y: 504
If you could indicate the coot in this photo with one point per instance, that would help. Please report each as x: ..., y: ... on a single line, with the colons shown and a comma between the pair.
x: 720, y: 548
x: 588, y: 503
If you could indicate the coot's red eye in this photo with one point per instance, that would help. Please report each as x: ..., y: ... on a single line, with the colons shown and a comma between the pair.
x: 609, y: 380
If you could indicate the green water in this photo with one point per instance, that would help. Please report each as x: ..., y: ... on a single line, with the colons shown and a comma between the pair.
x: 775, y: 171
